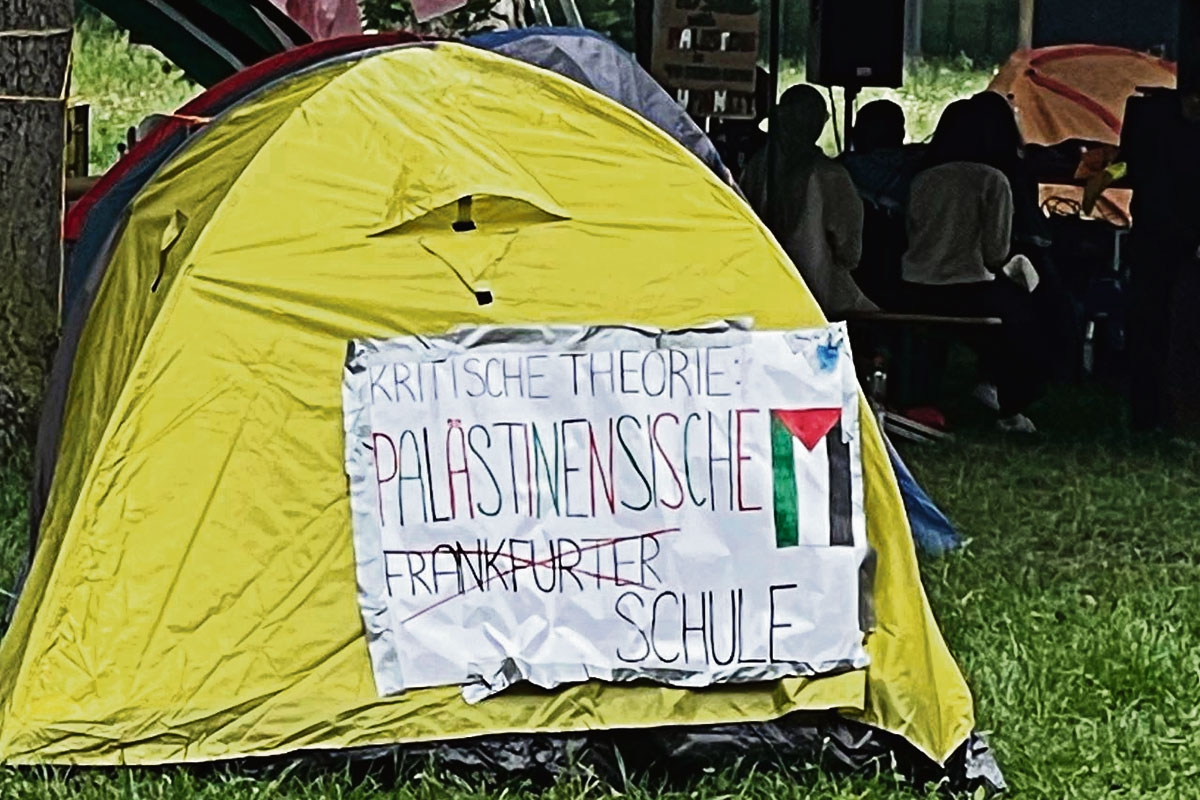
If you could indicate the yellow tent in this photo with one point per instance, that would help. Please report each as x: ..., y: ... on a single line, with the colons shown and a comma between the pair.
x: 192, y: 593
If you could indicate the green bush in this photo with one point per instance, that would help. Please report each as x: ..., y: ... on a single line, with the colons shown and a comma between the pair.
x: 122, y: 82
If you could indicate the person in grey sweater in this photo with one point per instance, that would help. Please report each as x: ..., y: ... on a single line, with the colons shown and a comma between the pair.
x: 815, y: 213
x: 960, y: 218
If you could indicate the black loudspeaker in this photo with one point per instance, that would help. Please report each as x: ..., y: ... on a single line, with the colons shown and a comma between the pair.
x: 1189, y: 46
x: 856, y: 43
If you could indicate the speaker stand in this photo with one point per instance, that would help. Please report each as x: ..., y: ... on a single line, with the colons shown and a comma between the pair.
x: 850, y: 96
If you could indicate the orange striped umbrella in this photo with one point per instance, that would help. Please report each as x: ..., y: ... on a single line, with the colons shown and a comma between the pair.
x: 1076, y: 91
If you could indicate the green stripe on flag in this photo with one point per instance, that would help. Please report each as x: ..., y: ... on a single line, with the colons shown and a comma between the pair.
x: 783, y: 466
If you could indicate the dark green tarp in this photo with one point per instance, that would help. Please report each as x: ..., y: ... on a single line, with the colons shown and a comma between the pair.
x: 208, y: 39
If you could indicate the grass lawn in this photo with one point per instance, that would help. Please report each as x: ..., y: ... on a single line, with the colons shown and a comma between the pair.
x: 1074, y: 611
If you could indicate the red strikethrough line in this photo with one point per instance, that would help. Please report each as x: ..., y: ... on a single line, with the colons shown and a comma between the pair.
x: 545, y: 562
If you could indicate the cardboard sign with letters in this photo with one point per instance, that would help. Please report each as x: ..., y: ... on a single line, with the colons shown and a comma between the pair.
x: 705, y: 53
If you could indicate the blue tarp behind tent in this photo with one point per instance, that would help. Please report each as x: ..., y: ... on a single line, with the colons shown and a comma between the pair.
x: 932, y: 531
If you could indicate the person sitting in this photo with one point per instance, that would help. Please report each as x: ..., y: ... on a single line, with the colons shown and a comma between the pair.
x: 960, y: 218
x: 815, y: 211
x: 882, y: 168
x: 880, y: 126
x: 1057, y: 312
x: 876, y: 156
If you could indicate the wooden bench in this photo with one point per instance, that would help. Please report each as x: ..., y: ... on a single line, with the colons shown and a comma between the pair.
x: 891, y: 422
x: 918, y: 319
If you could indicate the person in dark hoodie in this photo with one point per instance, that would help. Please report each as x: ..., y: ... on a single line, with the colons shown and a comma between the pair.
x: 880, y: 164
x: 882, y: 167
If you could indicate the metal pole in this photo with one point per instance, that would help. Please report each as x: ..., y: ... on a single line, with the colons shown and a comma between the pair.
x: 912, y: 27
x: 571, y: 12
x: 1025, y: 25
x: 952, y: 47
x: 849, y: 95
x: 773, y: 58
x: 541, y: 13
x: 773, y: 47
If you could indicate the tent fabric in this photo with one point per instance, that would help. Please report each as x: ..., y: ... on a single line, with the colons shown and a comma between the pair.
x: 117, y: 186
x: 208, y: 39
x: 578, y: 54
x: 192, y: 596
x: 598, y: 63
x: 91, y: 223
x: 1076, y: 91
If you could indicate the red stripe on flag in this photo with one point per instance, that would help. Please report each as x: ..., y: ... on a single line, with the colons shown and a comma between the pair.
x: 810, y: 425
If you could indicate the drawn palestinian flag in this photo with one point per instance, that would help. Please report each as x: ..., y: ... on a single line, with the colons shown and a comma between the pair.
x: 794, y: 435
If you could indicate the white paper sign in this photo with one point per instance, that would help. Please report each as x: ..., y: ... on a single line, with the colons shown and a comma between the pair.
x: 564, y: 504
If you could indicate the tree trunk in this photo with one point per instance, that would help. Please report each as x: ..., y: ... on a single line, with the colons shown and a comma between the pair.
x: 35, y: 44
